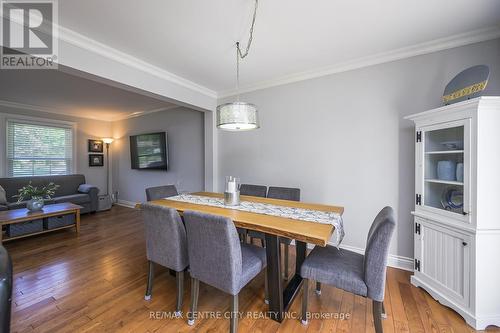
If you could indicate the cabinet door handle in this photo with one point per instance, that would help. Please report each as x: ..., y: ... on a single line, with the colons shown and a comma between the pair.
x: 464, y: 243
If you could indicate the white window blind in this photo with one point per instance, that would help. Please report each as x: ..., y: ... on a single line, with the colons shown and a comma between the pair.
x: 38, y: 150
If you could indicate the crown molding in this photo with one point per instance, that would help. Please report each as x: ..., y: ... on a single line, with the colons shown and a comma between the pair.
x: 76, y: 39
x: 471, y: 37
x: 436, y: 45
x: 81, y: 41
x: 144, y: 113
x: 16, y: 105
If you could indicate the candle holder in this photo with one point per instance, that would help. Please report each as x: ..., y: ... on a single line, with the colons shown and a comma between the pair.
x: 232, y: 191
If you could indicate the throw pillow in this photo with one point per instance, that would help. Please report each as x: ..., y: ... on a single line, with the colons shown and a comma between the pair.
x: 3, y: 196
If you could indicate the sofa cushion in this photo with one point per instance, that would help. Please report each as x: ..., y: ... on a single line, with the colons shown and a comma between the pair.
x: 77, y: 199
x: 16, y: 205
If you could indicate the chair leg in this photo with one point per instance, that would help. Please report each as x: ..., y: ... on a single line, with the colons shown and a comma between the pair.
x: 287, y: 254
x: 149, y: 288
x: 305, y: 294
x: 243, y: 236
x: 384, y: 314
x: 262, y: 243
x: 266, y: 287
x: 179, y: 278
x: 195, y: 289
x: 318, y: 288
x: 233, y: 328
x: 377, y: 316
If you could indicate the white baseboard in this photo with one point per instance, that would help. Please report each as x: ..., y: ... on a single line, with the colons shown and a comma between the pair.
x: 125, y: 203
x: 395, y: 261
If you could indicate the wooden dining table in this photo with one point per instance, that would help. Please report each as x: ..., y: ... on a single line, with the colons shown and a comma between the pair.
x: 303, y: 232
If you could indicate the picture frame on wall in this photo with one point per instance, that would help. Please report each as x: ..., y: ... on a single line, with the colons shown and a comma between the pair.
x: 96, y: 160
x: 96, y: 146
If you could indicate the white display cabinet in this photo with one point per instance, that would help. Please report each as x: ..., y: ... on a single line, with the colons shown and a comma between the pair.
x: 457, y: 204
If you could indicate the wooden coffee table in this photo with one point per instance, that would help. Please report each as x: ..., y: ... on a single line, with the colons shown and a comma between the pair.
x: 24, y: 215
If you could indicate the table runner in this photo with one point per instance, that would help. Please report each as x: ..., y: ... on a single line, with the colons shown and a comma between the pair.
x: 302, y: 214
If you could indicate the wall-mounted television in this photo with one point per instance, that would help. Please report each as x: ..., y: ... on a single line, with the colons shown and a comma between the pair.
x: 149, y: 151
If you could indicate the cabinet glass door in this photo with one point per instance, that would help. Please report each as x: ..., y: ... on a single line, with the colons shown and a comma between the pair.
x: 445, y: 167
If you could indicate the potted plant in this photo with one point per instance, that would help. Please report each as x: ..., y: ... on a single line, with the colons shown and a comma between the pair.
x: 36, y: 195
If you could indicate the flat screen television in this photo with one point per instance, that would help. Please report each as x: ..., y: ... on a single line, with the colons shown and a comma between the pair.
x: 149, y: 151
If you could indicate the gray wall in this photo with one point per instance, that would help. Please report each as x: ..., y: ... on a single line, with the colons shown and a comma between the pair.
x: 86, y: 129
x: 185, y: 133
x: 342, y: 138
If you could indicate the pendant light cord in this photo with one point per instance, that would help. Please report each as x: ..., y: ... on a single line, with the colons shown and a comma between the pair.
x: 241, y: 55
x: 250, y: 38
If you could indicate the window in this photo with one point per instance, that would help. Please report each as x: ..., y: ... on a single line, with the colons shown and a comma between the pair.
x: 38, y: 149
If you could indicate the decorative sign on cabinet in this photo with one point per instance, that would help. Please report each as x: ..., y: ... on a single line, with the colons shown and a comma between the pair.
x: 457, y: 200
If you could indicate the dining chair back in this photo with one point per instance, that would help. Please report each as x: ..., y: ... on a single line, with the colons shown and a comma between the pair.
x: 166, y: 245
x: 284, y: 193
x: 253, y: 190
x: 166, y: 242
x: 214, y: 251
x: 217, y: 258
x: 160, y: 192
x: 377, y: 252
x: 5, y: 290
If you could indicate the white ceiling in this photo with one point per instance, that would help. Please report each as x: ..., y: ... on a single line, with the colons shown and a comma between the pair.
x: 58, y: 92
x: 195, y: 39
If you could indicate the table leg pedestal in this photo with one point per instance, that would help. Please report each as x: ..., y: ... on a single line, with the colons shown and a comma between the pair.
x: 280, y: 299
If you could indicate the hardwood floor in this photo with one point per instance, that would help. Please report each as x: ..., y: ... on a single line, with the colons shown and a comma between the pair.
x: 96, y: 283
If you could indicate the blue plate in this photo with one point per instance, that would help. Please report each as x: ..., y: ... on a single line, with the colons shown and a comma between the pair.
x: 452, y: 199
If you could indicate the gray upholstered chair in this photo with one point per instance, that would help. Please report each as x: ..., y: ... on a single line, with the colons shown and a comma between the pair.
x: 160, y: 192
x: 217, y: 258
x: 166, y: 245
x: 255, y: 191
x: 283, y: 193
x: 359, y: 274
x: 5, y: 289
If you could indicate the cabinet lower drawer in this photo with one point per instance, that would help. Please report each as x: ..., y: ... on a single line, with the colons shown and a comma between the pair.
x: 443, y: 259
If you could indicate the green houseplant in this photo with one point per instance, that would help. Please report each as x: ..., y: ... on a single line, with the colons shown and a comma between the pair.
x: 36, y: 195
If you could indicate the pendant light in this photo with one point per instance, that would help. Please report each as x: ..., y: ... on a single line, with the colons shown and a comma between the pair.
x: 237, y: 115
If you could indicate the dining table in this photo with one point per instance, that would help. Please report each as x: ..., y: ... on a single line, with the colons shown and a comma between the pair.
x: 302, y: 232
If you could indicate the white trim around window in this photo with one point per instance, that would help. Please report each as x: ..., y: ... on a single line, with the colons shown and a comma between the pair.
x: 5, y: 118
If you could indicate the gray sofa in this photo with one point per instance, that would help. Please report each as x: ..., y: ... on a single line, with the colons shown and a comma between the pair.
x: 72, y: 188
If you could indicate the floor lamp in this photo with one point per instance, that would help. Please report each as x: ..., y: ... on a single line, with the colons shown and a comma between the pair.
x: 107, y: 141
